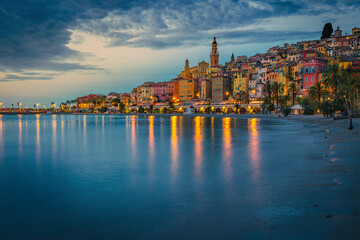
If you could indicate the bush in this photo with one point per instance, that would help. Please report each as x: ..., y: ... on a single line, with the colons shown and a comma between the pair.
x: 103, y: 109
x: 141, y: 109
x: 326, y: 107
x: 208, y: 110
x: 286, y: 111
x: 309, y: 110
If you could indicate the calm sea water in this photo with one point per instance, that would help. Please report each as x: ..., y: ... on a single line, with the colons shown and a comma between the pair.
x: 152, y: 177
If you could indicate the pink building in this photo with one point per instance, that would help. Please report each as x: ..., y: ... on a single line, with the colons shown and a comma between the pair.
x: 311, y: 69
x: 161, y: 90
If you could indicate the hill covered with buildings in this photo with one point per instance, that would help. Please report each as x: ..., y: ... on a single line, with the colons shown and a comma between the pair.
x: 244, y: 78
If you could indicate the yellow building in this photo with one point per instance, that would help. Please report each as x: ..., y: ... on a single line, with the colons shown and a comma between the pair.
x: 188, y: 89
x: 284, y: 77
x: 340, y: 60
x: 241, y: 82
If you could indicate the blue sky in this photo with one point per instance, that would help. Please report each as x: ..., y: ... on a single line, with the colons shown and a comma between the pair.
x: 57, y: 50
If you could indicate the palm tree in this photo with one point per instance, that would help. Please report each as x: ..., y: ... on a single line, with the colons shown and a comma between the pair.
x: 277, y: 89
x: 268, y: 90
x: 350, y: 87
x: 293, y: 88
x: 333, y: 76
x: 317, y: 92
x: 350, y: 97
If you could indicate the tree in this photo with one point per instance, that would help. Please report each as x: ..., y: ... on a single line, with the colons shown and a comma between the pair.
x: 317, y: 92
x: 349, y: 88
x: 277, y: 89
x: 327, y: 31
x: 103, y: 109
x: 286, y: 111
x: 307, y: 105
x: 293, y: 88
x: 333, y: 77
x: 141, y: 109
x: 121, y: 107
x: 326, y: 108
x: 268, y: 90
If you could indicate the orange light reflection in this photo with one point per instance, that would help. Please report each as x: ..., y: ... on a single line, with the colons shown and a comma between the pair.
x: 1, y: 139
x: 54, y: 145
x: 174, y: 146
x: 151, y: 143
x: 20, y: 136
x: 38, y: 146
x: 198, y: 138
x: 254, y: 147
x: 227, y: 147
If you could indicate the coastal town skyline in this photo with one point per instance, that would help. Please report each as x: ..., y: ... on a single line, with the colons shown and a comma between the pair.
x: 87, y: 59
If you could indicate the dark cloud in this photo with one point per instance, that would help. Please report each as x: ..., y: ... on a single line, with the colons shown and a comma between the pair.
x: 34, y: 33
x: 169, y: 24
x: 26, y: 77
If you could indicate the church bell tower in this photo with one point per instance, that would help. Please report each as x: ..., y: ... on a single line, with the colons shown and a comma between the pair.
x: 214, y: 55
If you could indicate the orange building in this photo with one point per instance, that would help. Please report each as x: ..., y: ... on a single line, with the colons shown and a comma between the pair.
x: 188, y: 89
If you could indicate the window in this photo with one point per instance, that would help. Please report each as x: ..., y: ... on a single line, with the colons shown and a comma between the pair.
x: 306, y: 69
x: 312, y: 79
x: 305, y: 79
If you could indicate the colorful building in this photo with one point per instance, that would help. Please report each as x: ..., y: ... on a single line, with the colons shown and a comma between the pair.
x: 188, y: 89
x: 161, y: 91
x: 310, y: 71
x: 220, y: 86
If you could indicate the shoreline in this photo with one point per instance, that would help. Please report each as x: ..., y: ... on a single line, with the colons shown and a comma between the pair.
x: 338, y: 123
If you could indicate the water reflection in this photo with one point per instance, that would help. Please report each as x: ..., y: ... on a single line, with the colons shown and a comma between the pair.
x: 227, y: 147
x: 1, y: 139
x: 84, y: 125
x: 151, y: 144
x: 38, y: 146
x: 254, y: 147
x: 133, y: 136
x: 54, y: 143
x: 20, y: 137
x: 198, y: 138
x: 174, y: 145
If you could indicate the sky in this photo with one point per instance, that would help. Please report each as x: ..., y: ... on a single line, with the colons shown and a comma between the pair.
x: 53, y: 51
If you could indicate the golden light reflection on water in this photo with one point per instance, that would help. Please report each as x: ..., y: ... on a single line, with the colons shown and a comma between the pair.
x: 174, y: 145
x: 38, y: 146
x: 1, y: 139
x: 151, y: 143
x: 54, y: 143
x: 227, y: 147
x: 254, y: 147
x: 20, y: 136
x: 133, y: 135
x: 198, y: 141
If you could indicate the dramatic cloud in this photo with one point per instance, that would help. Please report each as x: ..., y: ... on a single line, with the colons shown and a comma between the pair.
x: 168, y: 24
x: 34, y: 34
